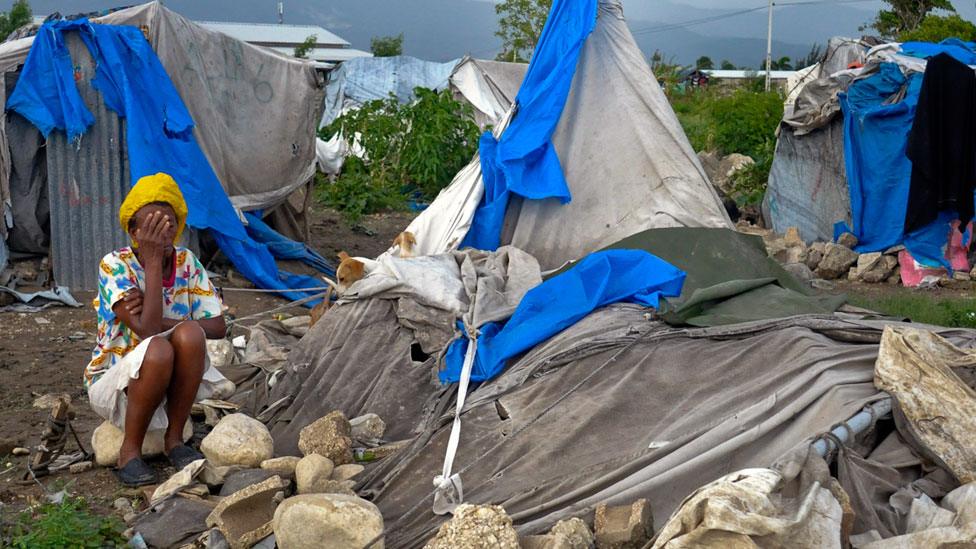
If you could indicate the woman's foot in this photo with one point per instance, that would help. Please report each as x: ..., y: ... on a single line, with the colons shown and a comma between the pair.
x: 136, y: 472
x: 182, y: 455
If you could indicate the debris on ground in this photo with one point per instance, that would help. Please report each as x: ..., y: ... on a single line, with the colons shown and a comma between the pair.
x: 244, y: 518
x: 476, y: 527
x: 623, y: 526
x: 566, y: 534
x: 329, y: 436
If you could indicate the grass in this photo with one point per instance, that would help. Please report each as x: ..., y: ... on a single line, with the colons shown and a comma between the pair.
x: 953, y: 312
x: 70, y: 524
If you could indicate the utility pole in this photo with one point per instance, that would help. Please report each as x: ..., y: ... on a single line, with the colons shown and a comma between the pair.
x: 281, y: 13
x: 769, y: 44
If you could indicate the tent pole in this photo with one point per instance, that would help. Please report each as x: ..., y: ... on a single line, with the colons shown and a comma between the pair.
x: 854, y: 426
x: 769, y: 44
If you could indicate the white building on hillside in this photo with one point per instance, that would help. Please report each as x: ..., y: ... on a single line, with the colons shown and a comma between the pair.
x: 329, y: 48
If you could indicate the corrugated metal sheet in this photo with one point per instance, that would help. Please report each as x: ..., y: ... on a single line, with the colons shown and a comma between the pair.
x: 87, y: 182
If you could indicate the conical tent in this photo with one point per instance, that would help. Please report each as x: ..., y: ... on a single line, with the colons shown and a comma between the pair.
x: 626, y: 159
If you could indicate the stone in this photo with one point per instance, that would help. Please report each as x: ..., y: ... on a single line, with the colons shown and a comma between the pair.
x: 312, y: 472
x: 244, y: 518
x: 796, y: 254
x: 123, y: 505
x: 221, y: 352
x: 776, y: 249
x: 894, y: 250
x: 283, y: 466
x: 882, y: 269
x: 328, y: 436
x: 347, y: 472
x: 624, y: 526
x: 20, y: 451
x: 847, y: 240
x: 865, y: 263
x: 367, y: 428
x: 792, y: 238
x: 80, y: 467
x: 799, y: 271
x: 972, y: 273
x: 822, y: 284
x: 388, y: 450
x: 238, y: 480
x: 238, y: 440
x: 836, y: 262
x: 346, y: 522
x: 46, y: 402
x: 212, y: 475
x: 476, y: 527
x: 962, y: 276
x: 177, y: 482
x: 895, y: 277
x: 107, y: 440
x: 575, y: 532
x: 728, y: 167
x: 815, y: 254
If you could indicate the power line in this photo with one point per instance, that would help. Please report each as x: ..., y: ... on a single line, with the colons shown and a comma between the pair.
x: 720, y: 17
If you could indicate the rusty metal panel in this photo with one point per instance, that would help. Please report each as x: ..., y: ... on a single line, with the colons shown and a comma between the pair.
x: 87, y: 181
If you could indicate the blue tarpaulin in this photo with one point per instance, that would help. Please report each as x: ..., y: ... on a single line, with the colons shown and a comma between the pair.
x: 878, y: 171
x: 965, y: 52
x: 599, y: 279
x: 159, y: 130
x: 523, y: 161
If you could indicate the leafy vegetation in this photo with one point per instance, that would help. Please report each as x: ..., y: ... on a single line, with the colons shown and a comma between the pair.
x: 903, y: 16
x: 415, y: 148
x: 302, y: 50
x: 387, y: 46
x: 954, y: 312
x: 742, y: 121
x: 520, y: 24
x: 68, y: 524
x: 935, y: 28
x: 18, y: 16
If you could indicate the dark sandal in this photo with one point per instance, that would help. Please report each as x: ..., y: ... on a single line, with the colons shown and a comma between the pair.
x: 136, y: 473
x: 182, y: 455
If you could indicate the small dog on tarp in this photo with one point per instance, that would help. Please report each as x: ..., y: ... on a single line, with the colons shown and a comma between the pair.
x: 352, y: 269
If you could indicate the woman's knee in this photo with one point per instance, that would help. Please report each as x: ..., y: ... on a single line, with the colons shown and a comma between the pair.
x: 160, y: 352
x: 189, y: 335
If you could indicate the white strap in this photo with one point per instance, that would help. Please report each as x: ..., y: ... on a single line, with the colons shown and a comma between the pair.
x: 448, y: 491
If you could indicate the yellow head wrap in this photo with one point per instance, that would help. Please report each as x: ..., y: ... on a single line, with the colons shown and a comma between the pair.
x: 154, y: 188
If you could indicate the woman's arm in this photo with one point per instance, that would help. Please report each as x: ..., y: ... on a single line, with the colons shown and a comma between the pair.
x: 214, y: 328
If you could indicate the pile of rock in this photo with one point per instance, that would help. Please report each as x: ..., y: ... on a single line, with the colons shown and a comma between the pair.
x: 832, y: 260
x: 241, y: 495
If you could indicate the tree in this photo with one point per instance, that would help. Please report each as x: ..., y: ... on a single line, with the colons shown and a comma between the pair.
x: 935, y: 28
x: 812, y: 58
x: 520, y: 24
x: 781, y: 64
x: 727, y: 65
x: 301, y: 50
x: 387, y: 46
x: 906, y: 16
x: 18, y: 16
x: 704, y: 63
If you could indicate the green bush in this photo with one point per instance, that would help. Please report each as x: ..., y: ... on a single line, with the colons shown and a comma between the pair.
x: 412, y: 148
x: 741, y: 121
x: 69, y: 524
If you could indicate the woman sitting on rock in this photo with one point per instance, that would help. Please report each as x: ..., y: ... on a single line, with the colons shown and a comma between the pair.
x: 156, y: 308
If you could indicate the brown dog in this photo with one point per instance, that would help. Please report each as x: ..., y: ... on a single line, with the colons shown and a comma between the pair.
x: 405, y: 241
x: 350, y: 270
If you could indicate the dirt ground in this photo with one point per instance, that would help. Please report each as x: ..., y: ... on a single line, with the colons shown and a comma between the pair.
x: 45, y: 353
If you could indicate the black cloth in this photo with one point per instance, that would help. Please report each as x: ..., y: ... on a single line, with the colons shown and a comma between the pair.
x: 942, y: 144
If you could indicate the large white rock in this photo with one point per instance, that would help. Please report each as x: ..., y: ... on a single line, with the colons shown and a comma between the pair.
x: 327, y: 520
x: 107, y: 441
x: 476, y: 526
x: 284, y: 466
x: 238, y: 440
x: 312, y: 474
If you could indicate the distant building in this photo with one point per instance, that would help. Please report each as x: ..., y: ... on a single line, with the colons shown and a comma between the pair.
x: 329, y: 48
x: 777, y: 78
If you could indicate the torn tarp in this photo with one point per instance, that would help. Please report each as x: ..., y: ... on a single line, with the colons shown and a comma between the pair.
x: 159, y: 129
x: 598, y: 280
x: 524, y: 161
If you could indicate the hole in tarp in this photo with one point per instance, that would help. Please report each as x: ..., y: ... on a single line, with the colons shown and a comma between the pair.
x: 417, y: 354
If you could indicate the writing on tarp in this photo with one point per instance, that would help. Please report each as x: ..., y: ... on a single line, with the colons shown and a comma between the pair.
x: 231, y: 83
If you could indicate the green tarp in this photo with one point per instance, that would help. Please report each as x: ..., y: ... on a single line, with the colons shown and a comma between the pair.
x: 730, y: 278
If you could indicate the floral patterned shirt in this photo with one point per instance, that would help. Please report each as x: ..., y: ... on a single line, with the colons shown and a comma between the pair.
x: 187, y: 294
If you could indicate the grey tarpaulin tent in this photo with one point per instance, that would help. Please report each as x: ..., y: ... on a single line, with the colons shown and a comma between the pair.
x: 255, y: 113
x: 489, y: 87
x: 628, y: 163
